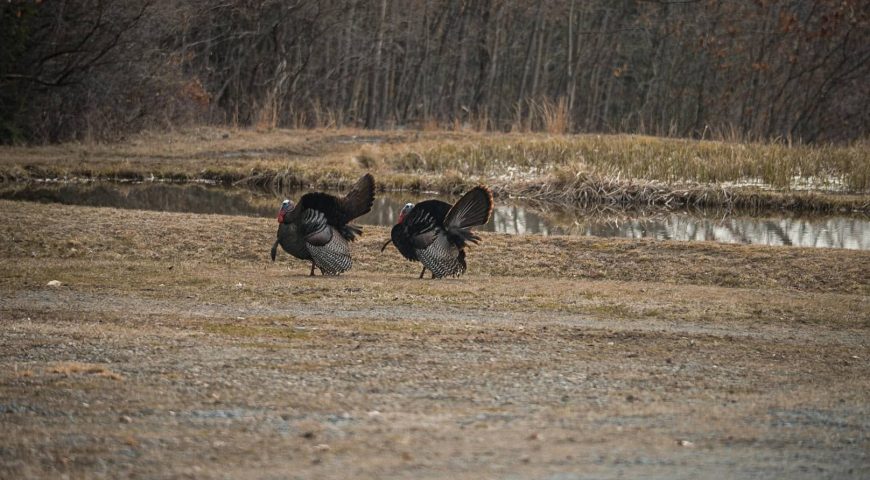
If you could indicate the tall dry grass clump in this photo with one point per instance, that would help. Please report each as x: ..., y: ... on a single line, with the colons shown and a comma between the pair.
x: 542, y: 115
x: 555, y: 116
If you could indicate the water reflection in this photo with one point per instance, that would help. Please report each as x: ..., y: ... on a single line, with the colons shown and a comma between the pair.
x: 826, y: 232
x: 508, y: 217
x: 147, y: 196
x: 518, y: 220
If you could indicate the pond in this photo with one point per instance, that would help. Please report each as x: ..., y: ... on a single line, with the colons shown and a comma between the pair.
x: 509, y: 216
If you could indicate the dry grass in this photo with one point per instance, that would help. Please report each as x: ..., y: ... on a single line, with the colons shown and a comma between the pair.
x: 575, y: 169
x: 540, y: 115
x: 578, y: 188
x: 552, y: 355
x: 237, y: 241
x: 75, y: 368
x: 671, y: 161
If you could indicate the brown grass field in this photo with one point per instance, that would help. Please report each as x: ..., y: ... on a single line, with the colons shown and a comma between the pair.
x: 566, y: 169
x: 174, y: 349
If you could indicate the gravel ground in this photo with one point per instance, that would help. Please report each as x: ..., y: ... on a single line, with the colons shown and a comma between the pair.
x: 173, y: 349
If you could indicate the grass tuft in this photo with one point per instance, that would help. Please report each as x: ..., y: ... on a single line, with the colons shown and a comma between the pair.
x: 73, y: 368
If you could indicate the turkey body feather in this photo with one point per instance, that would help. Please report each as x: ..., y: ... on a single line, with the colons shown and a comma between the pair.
x: 436, y: 233
x: 318, y: 228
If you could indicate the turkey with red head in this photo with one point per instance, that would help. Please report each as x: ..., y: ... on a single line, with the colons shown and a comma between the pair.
x: 318, y: 228
x: 436, y: 233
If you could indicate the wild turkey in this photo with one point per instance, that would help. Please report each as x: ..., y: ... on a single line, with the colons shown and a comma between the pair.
x: 318, y: 228
x: 435, y: 233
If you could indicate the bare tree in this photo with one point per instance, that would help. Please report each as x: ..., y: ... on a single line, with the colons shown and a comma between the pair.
x: 792, y: 68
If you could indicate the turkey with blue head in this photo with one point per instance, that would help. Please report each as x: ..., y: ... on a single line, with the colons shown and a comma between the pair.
x: 318, y: 228
x: 435, y: 233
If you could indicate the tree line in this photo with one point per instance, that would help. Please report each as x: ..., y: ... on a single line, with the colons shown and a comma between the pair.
x: 761, y: 69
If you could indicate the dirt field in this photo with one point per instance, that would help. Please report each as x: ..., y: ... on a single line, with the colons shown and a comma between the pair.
x: 174, y: 349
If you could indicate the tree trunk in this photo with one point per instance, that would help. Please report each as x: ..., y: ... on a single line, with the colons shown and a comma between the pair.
x: 372, y: 119
x: 344, y: 80
x: 527, y: 64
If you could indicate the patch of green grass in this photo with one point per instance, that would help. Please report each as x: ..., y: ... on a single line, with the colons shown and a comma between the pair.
x: 263, y: 345
x: 247, y: 330
x: 381, y: 327
x: 612, y: 310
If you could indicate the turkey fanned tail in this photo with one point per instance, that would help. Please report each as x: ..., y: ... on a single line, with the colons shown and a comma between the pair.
x: 473, y: 209
x: 359, y: 199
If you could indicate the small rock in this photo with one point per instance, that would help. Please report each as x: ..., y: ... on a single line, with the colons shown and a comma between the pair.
x: 321, y: 448
x: 374, y: 414
x: 685, y: 443
x: 54, y: 283
x: 630, y: 398
x: 536, y: 436
x: 125, y: 419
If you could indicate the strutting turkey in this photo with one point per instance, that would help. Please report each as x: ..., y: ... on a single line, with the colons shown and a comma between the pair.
x: 436, y: 233
x: 318, y: 228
